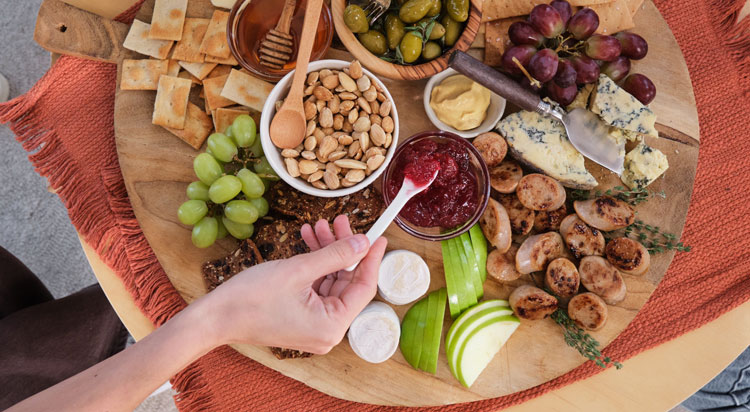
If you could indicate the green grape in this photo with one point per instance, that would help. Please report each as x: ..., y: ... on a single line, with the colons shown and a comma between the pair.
x: 222, y: 230
x: 192, y: 211
x: 206, y: 168
x: 261, y: 204
x: 264, y: 168
x: 252, y: 186
x: 204, y: 232
x: 238, y: 230
x: 244, y: 130
x: 229, y: 132
x: 197, y: 191
x: 224, y: 189
x: 257, y: 148
x: 241, y: 211
x: 222, y: 147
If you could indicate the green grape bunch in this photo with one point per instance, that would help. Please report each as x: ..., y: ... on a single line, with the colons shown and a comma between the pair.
x: 233, y: 174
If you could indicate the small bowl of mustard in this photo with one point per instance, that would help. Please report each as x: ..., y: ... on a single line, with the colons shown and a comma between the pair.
x: 454, y: 103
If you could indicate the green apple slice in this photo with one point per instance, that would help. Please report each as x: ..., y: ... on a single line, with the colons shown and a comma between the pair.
x: 482, y: 345
x: 450, y: 281
x: 466, y: 294
x: 471, y: 312
x: 466, y: 328
x: 437, y: 331
x: 412, y: 331
x: 463, y: 243
x: 479, y: 245
x: 429, y: 330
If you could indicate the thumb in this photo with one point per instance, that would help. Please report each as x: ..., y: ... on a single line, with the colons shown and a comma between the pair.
x: 334, y: 257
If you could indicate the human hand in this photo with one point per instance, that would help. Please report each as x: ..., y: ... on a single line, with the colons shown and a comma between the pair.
x: 306, y: 302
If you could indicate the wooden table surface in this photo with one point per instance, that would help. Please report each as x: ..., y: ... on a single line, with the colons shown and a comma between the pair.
x: 655, y: 380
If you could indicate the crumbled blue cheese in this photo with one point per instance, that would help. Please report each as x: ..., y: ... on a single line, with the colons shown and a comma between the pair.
x: 620, y: 109
x: 582, y: 98
x: 618, y: 139
x: 541, y: 141
x: 643, y: 165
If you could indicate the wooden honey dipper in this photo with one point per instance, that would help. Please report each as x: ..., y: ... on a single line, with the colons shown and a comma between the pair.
x: 277, y: 47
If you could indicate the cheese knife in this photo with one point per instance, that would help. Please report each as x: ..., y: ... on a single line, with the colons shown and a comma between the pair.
x: 585, y: 130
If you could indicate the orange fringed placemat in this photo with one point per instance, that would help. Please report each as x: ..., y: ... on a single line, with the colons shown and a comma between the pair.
x: 66, y: 122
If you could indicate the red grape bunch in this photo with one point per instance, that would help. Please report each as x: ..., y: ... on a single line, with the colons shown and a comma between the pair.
x: 555, y: 52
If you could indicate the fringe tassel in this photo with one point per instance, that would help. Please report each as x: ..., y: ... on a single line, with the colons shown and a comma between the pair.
x: 736, y: 36
x: 192, y: 390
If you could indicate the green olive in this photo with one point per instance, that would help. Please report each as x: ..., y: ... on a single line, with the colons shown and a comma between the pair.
x: 458, y: 9
x: 452, y: 30
x: 394, y: 30
x: 411, y: 46
x: 431, y: 50
x: 356, y: 19
x: 437, y: 5
x: 438, y: 31
x: 374, y: 41
x: 413, y: 10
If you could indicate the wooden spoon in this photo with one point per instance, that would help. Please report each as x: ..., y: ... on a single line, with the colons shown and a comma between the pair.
x: 288, y: 125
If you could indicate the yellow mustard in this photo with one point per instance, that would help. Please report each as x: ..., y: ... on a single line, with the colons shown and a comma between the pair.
x: 460, y: 102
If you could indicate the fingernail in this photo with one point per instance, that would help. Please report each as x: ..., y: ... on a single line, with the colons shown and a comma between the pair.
x: 359, y: 243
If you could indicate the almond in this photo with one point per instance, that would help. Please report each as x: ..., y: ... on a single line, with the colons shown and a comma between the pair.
x: 331, y: 179
x: 362, y: 124
x: 346, y: 105
x: 334, y: 104
x: 376, y: 119
x: 363, y: 138
x: 370, y: 94
x: 355, y: 175
x: 338, y: 122
x: 289, y: 153
x: 321, y: 93
x: 319, y: 185
x: 353, y: 116
x: 336, y: 155
x: 315, y: 176
x: 345, y: 140
x: 327, y: 146
x: 350, y: 164
x: 387, y: 124
x: 385, y: 108
x: 347, y: 183
x: 363, y: 83
x: 347, y: 95
x: 308, y: 154
x: 353, y: 148
x: 291, y: 167
x: 326, y: 118
x: 312, y: 77
x: 330, y: 82
x: 320, y: 104
x: 388, y: 140
x: 307, y: 167
x: 347, y: 82
x: 375, y: 162
x: 361, y: 102
x: 377, y: 135
x: 310, y: 128
x: 310, y: 143
x: 355, y: 70
x: 310, y: 110
x: 348, y: 128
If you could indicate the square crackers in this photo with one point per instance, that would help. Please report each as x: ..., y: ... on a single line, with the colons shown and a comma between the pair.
x: 188, y: 48
x: 212, y: 88
x: 224, y: 118
x: 142, y: 74
x: 138, y: 41
x: 215, y: 41
x: 167, y: 20
x: 197, y: 127
x: 199, y: 70
x: 171, y: 102
x: 246, y: 90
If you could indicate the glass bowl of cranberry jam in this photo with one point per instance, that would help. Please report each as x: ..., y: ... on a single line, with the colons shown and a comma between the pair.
x: 456, y: 199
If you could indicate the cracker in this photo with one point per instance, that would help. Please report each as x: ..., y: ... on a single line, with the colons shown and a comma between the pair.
x: 363, y: 208
x: 197, y: 127
x: 281, y: 353
x: 168, y: 19
x: 215, y: 41
x: 478, y: 42
x: 280, y: 239
x: 185, y: 75
x: 224, y: 118
x: 501, y: 9
x: 174, y: 68
x: 613, y: 17
x: 137, y: 40
x: 199, y: 70
x: 212, y: 88
x: 231, y: 61
x: 286, y: 200
x: 171, y: 102
x: 216, y: 272
x: 188, y: 49
x: 497, y: 40
x: 220, y: 70
x: 246, y: 90
x: 142, y: 74
x: 634, y: 6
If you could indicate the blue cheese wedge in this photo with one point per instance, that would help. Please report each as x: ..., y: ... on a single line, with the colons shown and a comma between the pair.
x: 643, y: 165
x: 582, y: 98
x: 618, y: 139
x: 541, y: 143
x: 620, y: 109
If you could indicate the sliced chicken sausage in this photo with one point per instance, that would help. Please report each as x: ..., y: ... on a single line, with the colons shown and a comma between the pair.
x: 492, y: 147
x: 548, y: 220
x: 580, y: 238
x: 562, y: 278
x: 603, y: 279
x: 539, y: 192
x: 532, y: 303
x: 501, y: 266
x: 505, y: 177
x: 628, y: 255
x: 538, y: 250
x: 605, y: 213
x: 521, y: 218
x: 588, y: 311
x: 496, y: 225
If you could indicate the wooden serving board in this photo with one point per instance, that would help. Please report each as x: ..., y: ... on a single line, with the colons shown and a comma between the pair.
x: 157, y: 167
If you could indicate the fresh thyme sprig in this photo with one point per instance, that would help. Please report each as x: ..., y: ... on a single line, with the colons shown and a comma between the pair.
x: 581, y: 341
x: 632, y: 196
x: 654, y: 239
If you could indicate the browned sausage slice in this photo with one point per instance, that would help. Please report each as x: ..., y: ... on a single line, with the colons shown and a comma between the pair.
x: 538, y: 250
x: 539, y: 192
x: 562, y: 278
x: 588, y: 311
x: 532, y: 303
x: 603, y: 279
x: 505, y: 177
x: 521, y: 218
x: 546, y: 221
x: 496, y: 225
x: 501, y: 266
x: 492, y: 147
x: 580, y: 238
x: 628, y: 255
x: 605, y: 213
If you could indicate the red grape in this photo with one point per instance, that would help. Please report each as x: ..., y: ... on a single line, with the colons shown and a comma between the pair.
x: 523, y: 53
x: 522, y: 32
x: 526, y: 83
x: 617, y: 69
x: 602, y: 47
x: 641, y: 87
x: 546, y: 20
x: 562, y: 95
x: 562, y: 7
x: 543, y: 65
x: 633, y: 45
x: 587, y: 71
x: 566, y: 74
x: 583, y: 23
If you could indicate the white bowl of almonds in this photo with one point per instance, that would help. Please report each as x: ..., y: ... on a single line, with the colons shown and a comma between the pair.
x: 352, y: 130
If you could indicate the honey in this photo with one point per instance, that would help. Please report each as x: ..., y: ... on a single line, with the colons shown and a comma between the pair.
x: 250, y: 21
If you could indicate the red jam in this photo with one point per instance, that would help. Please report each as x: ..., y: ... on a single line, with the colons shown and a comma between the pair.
x: 451, y: 199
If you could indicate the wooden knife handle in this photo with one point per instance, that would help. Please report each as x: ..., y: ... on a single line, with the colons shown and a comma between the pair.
x: 62, y: 28
x: 492, y: 79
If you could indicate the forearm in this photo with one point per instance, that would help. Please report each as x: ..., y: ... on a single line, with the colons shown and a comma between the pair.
x: 124, y: 380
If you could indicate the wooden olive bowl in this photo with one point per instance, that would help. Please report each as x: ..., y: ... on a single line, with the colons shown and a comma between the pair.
x: 397, y: 71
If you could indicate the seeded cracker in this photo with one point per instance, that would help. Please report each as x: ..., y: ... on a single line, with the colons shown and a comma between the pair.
x: 167, y: 20
x: 293, y: 203
x: 363, y: 207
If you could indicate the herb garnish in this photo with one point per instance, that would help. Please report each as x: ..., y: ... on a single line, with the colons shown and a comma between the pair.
x: 632, y: 197
x: 581, y: 341
x: 654, y: 239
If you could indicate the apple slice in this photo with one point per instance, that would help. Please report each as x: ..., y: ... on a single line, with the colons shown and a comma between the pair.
x: 428, y: 330
x: 479, y: 246
x: 463, y: 243
x: 454, y: 303
x: 464, y: 326
x: 412, y: 332
x: 436, y: 330
x: 481, y: 345
x: 466, y: 292
x: 470, y: 313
